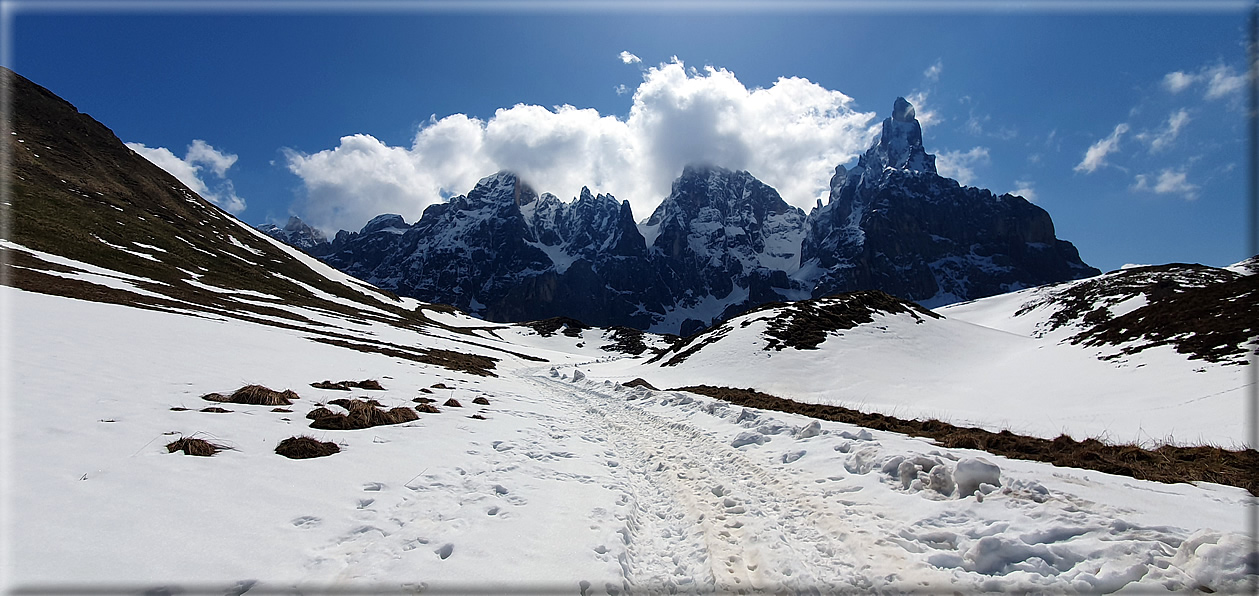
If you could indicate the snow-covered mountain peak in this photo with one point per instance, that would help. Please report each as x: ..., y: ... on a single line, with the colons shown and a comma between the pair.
x: 729, y: 192
x: 501, y: 187
x: 387, y: 221
x: 296, y: 233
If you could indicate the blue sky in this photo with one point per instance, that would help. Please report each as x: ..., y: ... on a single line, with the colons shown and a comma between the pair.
x: 1127, y: 125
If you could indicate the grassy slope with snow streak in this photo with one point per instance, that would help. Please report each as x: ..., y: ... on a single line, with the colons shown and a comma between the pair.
x: 969, y: 374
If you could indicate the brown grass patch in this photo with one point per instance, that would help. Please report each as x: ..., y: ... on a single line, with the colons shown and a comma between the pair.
x: 640, y: 382
x: 441, y: 386
x: 548, y: 327
x: 481, y: 401
x: 256, y: 395
x: 453, y: 403
x: 477, y: 417
x: 215, y: 410
x: 1168, y: 463
x: 305, y: 447
x: 370, y: 384
x: 282, y: 410
x: 806, y: 324
x: 192, y: 446
x: 362, y: 414
x: 320, y: 412
x: 330, y: 385
x: 427, y: 408
x: 425, y: 390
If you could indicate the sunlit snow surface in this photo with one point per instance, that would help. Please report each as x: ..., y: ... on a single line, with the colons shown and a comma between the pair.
x: 980, y: 366
x: 564, y: 486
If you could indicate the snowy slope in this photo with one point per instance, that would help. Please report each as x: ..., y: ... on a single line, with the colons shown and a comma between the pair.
x: 564, y: 486
x: 997, y: 376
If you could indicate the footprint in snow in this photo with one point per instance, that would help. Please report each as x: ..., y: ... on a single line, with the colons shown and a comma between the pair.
x: 445, y: 551
x: 306, y: 521
x: 373, y: 486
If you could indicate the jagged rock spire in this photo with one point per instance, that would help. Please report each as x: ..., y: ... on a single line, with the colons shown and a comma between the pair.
x: 900, y: 144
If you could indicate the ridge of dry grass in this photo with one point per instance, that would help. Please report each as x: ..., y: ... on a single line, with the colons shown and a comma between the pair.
x: 1167, y: 463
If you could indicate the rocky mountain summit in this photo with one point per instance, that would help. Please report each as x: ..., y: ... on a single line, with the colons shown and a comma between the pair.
x: 298, y: 234
x: 721, y: 242
x: 894, y: 224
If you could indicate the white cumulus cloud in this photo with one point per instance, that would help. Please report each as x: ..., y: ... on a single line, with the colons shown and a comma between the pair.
x: 1168, y: 181
x: 629, y: 58
x: 790, y: 135
x: 933, y: 72
x: 960, y: 165
x: 1165, y: 137
x: 1220, y: 80
x: 203, y: 169
x: 1178, y: 81
x: 1095, y: 156
x: 1223, y: 81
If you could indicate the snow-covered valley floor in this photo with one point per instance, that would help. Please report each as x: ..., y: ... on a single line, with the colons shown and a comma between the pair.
x: 568, y: 485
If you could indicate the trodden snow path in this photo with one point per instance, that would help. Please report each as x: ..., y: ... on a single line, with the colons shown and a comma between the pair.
x: 721, y: 498
x: 702, y: 516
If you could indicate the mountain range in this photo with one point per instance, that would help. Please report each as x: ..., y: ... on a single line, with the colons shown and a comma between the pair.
x: 721, y: 242
x: 440, y: 445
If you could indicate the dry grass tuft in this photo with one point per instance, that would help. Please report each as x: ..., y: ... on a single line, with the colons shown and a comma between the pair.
x: 362, y: 414
x: 191, y: 446
x: 320, y: 412
x: 453, y: 403
x: 256, y: 395
x: 215, y: 410
x: 481, y: 401
x: 305, y: 447
x: 427, y: 408
x: 370, y: 384
x: 330, y: 385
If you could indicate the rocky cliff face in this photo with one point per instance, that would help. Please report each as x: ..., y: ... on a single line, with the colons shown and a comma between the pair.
x: 892, y: 223
x: 720, y: 243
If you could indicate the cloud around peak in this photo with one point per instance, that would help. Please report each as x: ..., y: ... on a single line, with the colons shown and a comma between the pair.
x: 790, y: 135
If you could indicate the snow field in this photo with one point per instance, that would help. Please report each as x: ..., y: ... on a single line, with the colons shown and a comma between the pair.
x: 566, y: 485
